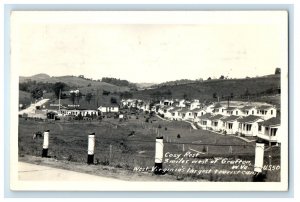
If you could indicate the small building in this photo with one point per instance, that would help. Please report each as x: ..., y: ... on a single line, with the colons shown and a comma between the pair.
x: 266, y: 112
x: 109, y: 108
x: 270, y: 130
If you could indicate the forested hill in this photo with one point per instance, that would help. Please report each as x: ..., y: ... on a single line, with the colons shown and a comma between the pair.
x: 214, y: 89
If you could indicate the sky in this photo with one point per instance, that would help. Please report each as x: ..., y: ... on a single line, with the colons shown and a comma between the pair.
x: 211, y: 44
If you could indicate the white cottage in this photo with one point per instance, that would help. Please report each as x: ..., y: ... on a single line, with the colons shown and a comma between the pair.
x: 248, y: 125
x: 270, y: 130
x: 230, y: 124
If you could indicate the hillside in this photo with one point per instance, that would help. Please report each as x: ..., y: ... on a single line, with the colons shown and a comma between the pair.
x: 74, y: 82
x: 238, y: 88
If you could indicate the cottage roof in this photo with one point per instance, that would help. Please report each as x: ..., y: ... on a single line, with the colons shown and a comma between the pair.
x: 249, y: 119
x: 205, y: 116
x: 271, y: 122
x: 184, y: 110
x: 216, y: 106
x: 230, y: 108
x: 197, y: 110
x: 216, y: 117
x: 264, y: 107
x: 175, y: 109
x: 247, y: 108
x: 231, y: 118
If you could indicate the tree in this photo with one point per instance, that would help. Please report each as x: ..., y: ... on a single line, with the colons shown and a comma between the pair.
x: 37, y: 93
x: 277, y: 70
x: 88, y: 97
x: 247, y: 92
x: 231, y: 95
x: 185, y: 96
x: 78, y: 97
x: 113, y: 100
x: 214, y: 95
x: 58, y: 87
x: 221, y: 77
x: 73, y: 97
x: 209, y: 78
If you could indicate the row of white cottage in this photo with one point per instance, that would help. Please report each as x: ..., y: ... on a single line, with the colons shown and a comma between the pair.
x: 260, y: 121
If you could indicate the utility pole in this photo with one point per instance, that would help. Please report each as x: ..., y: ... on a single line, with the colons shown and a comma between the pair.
x: 59, y: 100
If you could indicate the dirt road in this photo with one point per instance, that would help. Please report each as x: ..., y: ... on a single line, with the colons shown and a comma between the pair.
x: 34, y: 172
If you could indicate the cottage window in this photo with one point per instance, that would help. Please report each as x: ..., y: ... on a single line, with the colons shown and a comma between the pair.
x: 204, y: 122
x: 247, y: 112
x: 259, y: 127
x: 248, y: 127
x: 222, y: 110
x: 216, y: 123
x: 273, y: 131
x: 271, y: 112
x: 257, y: 111
x: 252, y: 111
x: 236, y: 112
x: 230, y: 125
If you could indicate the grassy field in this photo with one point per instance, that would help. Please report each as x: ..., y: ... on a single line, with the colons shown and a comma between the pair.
x: 117, y: 146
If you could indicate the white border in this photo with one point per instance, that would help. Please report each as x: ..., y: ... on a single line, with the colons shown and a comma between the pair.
x: 136, y: 17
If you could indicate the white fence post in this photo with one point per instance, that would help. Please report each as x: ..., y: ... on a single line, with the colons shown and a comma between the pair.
x: 91, y: 148
x: 159, y: 154
x: 45, y: 143
x: 259, y: 157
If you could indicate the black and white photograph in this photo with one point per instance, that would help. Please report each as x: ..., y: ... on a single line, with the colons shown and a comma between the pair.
x: 149, y: 100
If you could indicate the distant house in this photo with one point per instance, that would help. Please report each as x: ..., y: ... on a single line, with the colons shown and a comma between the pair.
x: 216, y: 122
x: 74, y: 91
x: 107, y: 108
x: 195, y: 104
x: 266, y: 112
x: 248, y: 110
x: 248, y: 125
x: 218, y: 109
x: 230, y: 124
x: 167, y: 113
x: 181, y: 103
x: 204, y: 121
x: 175, y: 113
x: 188, y: 114
x: 270, y: 130
x: 166, y: 102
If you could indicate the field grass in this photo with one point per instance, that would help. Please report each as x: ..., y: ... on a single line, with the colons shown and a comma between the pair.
x: 68, y: 141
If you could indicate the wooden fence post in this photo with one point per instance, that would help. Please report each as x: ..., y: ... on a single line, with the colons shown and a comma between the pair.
x: 45, y: 144
x: 91, y: 148
x: 159, y: 153
x: 259, y: 157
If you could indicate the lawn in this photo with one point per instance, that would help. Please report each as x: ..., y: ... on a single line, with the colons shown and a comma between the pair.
x: 118, y: 146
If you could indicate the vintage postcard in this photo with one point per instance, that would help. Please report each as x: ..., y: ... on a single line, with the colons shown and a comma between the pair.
x: 149, y: 100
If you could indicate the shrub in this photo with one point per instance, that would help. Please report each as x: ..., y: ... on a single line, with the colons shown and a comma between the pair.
x: 178, y: 136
